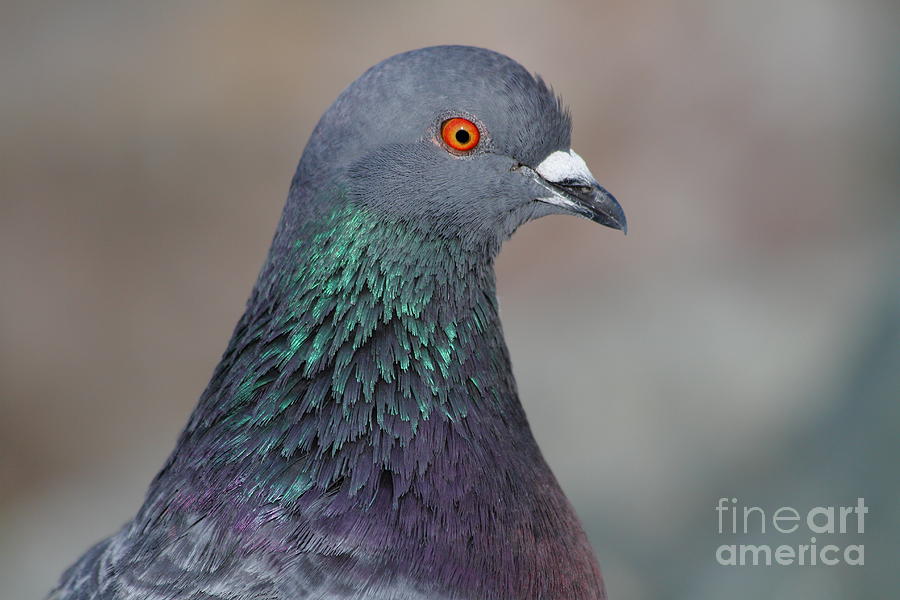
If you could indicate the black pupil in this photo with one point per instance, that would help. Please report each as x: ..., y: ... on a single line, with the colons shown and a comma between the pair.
x: 462, y: 136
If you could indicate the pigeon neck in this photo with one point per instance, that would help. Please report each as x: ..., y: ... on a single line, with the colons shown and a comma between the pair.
x: 366, y: 401
x: 367, y: 348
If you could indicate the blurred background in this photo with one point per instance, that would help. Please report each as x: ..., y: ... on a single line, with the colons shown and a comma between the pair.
x: 742, y: 341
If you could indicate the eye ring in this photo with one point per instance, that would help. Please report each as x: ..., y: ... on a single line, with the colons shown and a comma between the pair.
x: 460, y: 135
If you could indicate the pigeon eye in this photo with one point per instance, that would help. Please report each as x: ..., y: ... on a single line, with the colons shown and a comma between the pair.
x: 460, y: 134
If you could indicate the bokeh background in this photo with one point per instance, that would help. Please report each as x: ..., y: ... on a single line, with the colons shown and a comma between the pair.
x: 742, y: 341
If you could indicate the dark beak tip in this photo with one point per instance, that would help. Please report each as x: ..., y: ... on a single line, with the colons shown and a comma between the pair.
x: 607, y: 210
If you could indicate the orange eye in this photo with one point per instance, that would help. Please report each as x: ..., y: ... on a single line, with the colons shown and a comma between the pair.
x: 460, y: 134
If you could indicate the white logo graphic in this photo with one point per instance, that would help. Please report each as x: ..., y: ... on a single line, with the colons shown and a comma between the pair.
x: 819, y: 520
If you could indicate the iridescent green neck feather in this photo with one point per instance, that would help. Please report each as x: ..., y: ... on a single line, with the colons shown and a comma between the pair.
x: 365, y: 344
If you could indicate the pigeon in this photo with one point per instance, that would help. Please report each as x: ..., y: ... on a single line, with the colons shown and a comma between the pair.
x: 362, y: 437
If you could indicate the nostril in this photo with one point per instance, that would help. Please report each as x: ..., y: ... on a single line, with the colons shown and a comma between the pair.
x: 572, y: 183
x: 574, y: 186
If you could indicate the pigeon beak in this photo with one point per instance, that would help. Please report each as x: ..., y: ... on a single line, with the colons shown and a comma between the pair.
x: 572, y: 187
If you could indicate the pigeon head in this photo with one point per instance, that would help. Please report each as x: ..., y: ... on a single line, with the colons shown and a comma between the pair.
x: 459, y: 142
